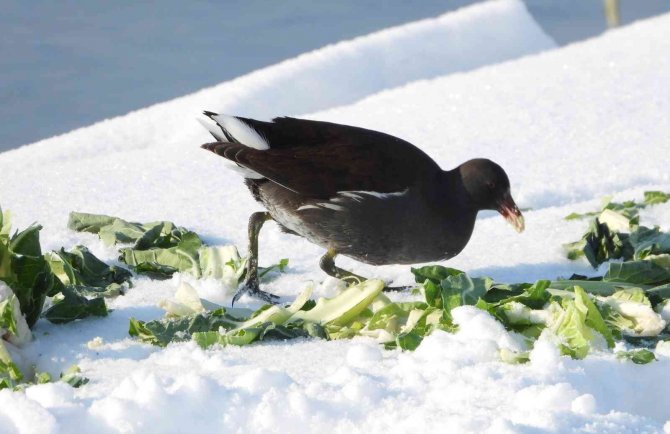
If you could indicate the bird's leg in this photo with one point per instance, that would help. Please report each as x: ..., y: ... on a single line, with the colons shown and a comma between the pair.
x: 250, y: 285
x: 327, y: 264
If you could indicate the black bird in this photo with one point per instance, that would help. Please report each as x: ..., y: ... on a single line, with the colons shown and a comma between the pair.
x: 356, y: 192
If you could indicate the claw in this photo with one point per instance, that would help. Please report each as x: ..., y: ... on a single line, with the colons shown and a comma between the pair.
x: 251, y: 287
x: 396, y: 288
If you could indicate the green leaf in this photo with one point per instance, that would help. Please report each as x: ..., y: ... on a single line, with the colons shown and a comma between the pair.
x: 7, y: 320
x: 408, y: 341
x: 635, y: 295
x: 24, y: 270
x: 432, y: 293
x: 434, y: 273
x: 653, y: 271
x: 73, y: 377
x: 280, y: 267
x: 5, y: 224
x: 461, y: 289
x: 655, y: 197
x: 571, y: 328
x: 10, y: 374
x: 593, y: 317
x: 605, y: 240
x: 577, y: 216
x: 83, y: 222
x: 646, y: 242
x: 86, y: 274
x: 239, y: 338
x: 393, y: 316
x: 574, y: 323
x: 162, y: 332
x: 69, y: 306
x: 640, y: 357
x: 42, y: 378
x: 182, y: 257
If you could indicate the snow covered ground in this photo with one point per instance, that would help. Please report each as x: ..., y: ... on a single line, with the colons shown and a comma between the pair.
x: 569, y: 125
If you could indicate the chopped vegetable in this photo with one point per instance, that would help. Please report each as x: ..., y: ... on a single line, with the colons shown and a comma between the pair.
x: 73, y: 377
x: 640, y: 357
x: 24, y: 269
x: 615, y: 233
x: 161, y: 249
x: 87, y: 274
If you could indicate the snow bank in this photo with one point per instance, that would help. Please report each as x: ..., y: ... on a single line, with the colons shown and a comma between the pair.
x: 568, y: 125
x: 338, y: 74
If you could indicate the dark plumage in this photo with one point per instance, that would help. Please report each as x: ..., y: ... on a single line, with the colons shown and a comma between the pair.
x: 361, y: 193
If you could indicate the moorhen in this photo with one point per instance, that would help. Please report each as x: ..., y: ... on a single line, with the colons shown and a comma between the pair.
x: 356, y: 192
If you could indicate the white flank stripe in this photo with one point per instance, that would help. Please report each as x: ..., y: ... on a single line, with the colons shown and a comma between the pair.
x: 304, y: 207
x: 330, y: 206
x: 242, y: 132
x: 350, y: 195
x: 356, y: 195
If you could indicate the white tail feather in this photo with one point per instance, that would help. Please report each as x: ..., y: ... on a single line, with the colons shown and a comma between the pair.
x: 242, y: 132
x: 218, y: 134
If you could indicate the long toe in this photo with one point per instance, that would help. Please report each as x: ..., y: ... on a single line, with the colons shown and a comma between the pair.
x: 253, y: 290
x: 265, y: 296
x: 397, y: 288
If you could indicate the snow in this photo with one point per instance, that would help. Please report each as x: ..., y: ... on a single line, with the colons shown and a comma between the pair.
x: 569, y: 125
x: 334, y: 75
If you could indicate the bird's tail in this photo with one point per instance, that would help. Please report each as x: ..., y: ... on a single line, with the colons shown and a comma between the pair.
x: 234, y: 130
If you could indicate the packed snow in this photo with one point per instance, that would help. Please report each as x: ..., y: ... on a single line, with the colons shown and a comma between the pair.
x: 569, y: 125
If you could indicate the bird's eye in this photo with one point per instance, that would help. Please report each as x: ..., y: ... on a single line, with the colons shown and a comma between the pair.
x: 491, y: 185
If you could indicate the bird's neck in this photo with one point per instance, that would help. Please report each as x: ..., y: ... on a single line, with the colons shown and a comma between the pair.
x: 454, y: 193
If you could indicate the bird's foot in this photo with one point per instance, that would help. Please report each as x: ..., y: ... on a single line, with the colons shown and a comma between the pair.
x: 251, y: 288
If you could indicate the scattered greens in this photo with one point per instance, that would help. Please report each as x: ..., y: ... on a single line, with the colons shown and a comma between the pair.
x: 615, y: 233
x: 160, y: 249
x: 640, y: 357
x: 87, y: 275
x: 10, y: 374
x: 24, y: 269
x: 73, y: 377
x: 629, y: 303
x: 627, y: 307
x: 68, y: 306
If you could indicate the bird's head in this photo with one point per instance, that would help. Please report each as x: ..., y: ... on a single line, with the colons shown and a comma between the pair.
x: 487, y: 188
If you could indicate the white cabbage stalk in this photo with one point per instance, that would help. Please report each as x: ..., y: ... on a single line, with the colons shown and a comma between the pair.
x: 277, y: 314
x: 379, y: 335
x: 23, y: 334
x: 647, y: 322
x: 344, y: 307
x: 185, y: 302
x: 222, y: 263
x: 518, y: 313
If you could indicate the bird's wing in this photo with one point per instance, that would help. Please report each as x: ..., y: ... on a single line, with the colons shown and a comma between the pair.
x: 378, y: 164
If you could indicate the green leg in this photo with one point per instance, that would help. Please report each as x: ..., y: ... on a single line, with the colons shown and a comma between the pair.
x: 250, y: 285
x: 327, y: 264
